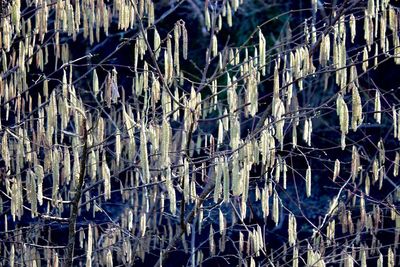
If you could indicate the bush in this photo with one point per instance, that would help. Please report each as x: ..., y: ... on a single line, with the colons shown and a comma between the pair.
x: 213, y: 133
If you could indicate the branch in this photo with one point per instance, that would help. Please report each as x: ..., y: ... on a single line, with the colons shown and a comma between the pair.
x: 189, y: 219
x: 75, y: 201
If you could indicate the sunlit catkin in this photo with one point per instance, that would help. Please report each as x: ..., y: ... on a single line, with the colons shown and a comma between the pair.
x: 143, y: 155
x: 105, y: 171
x: 352, y: 22
x: 275, y: 208
x: 377, y: 107
x: 214, y: 47
x: 390, y: 258
x: 356, y: 116
x: 336, y: 169
x: 343, y: 112
x: 89, y: 247
x: 185, y: 41
x: 292, y: 230
x: 308, y: 181
x: 95, y: 83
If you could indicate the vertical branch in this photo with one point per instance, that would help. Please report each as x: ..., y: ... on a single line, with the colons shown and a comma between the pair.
x: 75, y: 201
x: 189, y: 219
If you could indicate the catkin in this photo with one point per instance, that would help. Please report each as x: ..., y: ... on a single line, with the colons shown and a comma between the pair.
x: 308, y: 181
x: 380, y: 260
x: 265, y: 202
x: 89, y: 247
x: 55, y: 169
x: 143, y: 155
x: 275, y: 208
x: 336, y: 170
x: 95, y: 83
x: 185, y: 41
x: 343, y: 112
x: 377, y: 106
x: 356, y: 118
x: 157, y: 43
x: 352, y: 23
x: 105, y: 171
x: 211, y: 241
x: 396, y: 164
x: 118, y: 147
x: 40, y: 176
x: 395, y: 123
x: 214, y: 48
x: 391, y: 259
x: 292, y: 230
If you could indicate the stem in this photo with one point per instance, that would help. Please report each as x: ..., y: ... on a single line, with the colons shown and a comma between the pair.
x: 75, y: 201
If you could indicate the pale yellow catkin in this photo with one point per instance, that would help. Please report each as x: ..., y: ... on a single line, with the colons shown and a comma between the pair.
x: 89, y: 247
x: 292, y: 230
x: 118, y: 147
x: 214, y: 47
x: 157, y: 44
x: 185, y: 41
x: 105, y: 171
x: 396, y: 165
x: 356, y: 118
x: 336, y: 170
x: 365, y: 59
x: 308, y: 181
x: 143, y: 155
x: 343, y: 112
x: 295, y: 261
x: 390, y: 258
x: 379, y: 262
x: 275, y: 208
x: 395, y: 123
x: 95, y: 83
x: 377, y: 107
x: 211, y: 241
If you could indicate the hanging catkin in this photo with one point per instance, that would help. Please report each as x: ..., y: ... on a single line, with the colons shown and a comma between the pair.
x: 355, y: 162
x: 356, y: 118
x: 56, y: 178
x: 237, y: 185
x: 352, y: 23
x: 211, y: 241
x: 275, y: 208
x: 143, y: 155
x: 377, y: 107
x: 336, y: 169
x: 226, y: 186
x: 390, y: 258
x: 343, y: 112
x: 184, y: 41
x: 40, y: 176
x: 157, y: 43
x: 105, y: 171
x: 118, y: 147
x: 214, y: 47
x: 292, y: 230
x: 308, y: 181
x: 396, y: 165
x: 218, y: 175
x: 89, y: 247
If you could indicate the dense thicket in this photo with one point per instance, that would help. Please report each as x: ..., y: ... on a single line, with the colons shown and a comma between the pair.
x: 199, y: 133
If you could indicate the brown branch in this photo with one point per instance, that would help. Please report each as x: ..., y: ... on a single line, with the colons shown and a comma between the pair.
x: 75, y: 201
x: 189, y: 219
